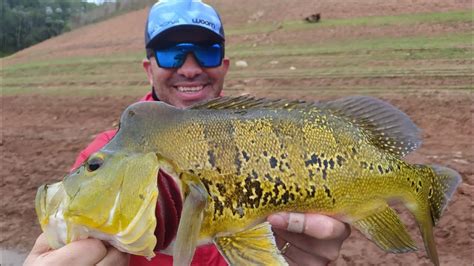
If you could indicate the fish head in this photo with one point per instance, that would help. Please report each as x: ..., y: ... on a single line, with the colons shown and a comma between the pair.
x: 112, y: 196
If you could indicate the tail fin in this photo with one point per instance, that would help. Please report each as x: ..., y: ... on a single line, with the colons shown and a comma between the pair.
x: 444, y: 182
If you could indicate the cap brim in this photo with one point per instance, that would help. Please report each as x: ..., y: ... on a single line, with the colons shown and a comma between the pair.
x: 184, y: 33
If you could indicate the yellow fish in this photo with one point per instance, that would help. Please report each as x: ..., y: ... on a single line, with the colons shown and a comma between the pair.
x: 230, y: 162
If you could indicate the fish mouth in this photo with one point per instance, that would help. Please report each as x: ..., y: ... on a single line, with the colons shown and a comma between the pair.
x: 168, y: 210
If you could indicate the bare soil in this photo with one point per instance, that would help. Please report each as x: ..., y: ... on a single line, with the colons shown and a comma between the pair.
x: 41, y: 135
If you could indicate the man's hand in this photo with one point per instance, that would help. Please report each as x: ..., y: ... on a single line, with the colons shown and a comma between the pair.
x: 81, y: 252
x: 308, y: 239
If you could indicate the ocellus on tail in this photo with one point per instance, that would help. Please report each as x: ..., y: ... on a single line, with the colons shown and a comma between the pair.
x: 234, y: 161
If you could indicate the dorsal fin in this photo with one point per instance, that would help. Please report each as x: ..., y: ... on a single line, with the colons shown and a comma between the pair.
x: 249, y: 102
x: 390, y: 128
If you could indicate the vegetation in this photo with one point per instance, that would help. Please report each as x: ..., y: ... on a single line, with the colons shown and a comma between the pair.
x: 411, y: 62
x: 26, y: 22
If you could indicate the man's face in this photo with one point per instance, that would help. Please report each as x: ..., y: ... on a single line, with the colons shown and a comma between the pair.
x: 188, y: 84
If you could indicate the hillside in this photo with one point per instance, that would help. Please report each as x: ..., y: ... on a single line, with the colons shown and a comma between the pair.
x: 124, y: 34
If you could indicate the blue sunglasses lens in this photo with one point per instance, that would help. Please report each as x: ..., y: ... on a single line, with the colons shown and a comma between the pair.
x: 174, y: 56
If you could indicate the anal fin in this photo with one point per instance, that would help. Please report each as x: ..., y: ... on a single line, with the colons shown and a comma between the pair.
x: 387, y: 231
x: 255, y: 246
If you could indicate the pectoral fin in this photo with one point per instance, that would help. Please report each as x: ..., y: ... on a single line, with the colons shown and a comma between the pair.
x: 255, y: 246
x: 190, y: 222
x: 387, y: 231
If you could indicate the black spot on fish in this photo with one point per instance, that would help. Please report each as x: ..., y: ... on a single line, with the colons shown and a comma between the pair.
x: 327, y: 190
x: 273, y: 162
x: 354, y: 151
x: 284, y: 155
x: 285, y: 197
x: 131, y: 113
x: 254, y: 174
x: 312, y: 161
x: 246, y: 156
x: 212, y: 158
x: 297, y: 188
x: 311, y: 174
x: 265, y: 153
x: 364, y: 165
x: 331, y: 163
x: 141, y: 196
x: 218, y: 169
x: 287, y: 165
x: 221, y: 188
x: 324, y: 174
x: 430, y: 193
x: 266, y: 198
x: 371, y: 167
x: 218, y: 206
x: 333, y: 201
x: 206, y: 183
x: 269, y: 177
x: 419, y: 183
x: 380, y: 169
x: 340, y: 160
x: 398, y: 166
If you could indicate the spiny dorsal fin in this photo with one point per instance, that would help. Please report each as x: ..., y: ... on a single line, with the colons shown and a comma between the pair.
x: 249, y: 102
x: 390, y: 128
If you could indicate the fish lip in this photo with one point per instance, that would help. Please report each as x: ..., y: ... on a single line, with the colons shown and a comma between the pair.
x: 168, y: 210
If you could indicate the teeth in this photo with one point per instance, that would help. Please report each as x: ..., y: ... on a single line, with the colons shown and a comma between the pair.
x: 189, y: 89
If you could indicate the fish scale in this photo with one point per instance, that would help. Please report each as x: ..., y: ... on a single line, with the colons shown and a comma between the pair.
x: 237, y: 160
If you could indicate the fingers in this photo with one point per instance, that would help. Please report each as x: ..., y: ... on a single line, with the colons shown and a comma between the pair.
x: 312, y: 224
x: 114, y: 257
x: 82, y: 252
x: 297, y: 256
x: 314, y: 239
x: 323, y: 250
x: 41, y: 246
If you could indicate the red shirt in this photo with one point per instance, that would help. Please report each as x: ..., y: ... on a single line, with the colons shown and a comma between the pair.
x: 204, y: 255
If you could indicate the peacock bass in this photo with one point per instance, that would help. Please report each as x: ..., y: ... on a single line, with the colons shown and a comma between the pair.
x: 230, y: 162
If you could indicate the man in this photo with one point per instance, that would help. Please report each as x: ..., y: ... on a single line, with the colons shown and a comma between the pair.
x: 185, y: 64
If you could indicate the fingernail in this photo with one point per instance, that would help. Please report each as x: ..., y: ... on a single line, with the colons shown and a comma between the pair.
x: 278, y: 220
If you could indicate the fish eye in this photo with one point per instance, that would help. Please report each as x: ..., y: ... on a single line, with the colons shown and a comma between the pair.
x: 94, y: 164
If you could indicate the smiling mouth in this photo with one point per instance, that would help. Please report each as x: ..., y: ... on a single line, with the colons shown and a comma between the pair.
x: 191, y: 89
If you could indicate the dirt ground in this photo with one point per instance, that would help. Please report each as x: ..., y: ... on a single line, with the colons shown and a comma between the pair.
x: 41, y: 135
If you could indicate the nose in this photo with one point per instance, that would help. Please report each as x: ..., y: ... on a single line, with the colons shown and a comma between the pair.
x: 190, y: 67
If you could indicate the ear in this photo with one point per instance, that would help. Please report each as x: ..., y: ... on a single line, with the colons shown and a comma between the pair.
x: 225, y: 65
x: 148, y: 70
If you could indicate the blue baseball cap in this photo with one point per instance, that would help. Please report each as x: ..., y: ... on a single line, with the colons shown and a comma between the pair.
x: 182, y: 21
